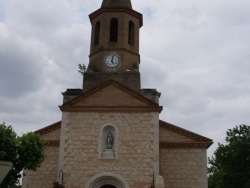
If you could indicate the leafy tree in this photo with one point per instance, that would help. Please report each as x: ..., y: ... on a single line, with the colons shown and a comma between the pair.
x: 25, y: 152
x: 230, y: 164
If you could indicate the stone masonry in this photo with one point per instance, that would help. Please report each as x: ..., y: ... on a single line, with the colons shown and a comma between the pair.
x: 136, y: 152
x: 184, y: 168
x: 47, y: 173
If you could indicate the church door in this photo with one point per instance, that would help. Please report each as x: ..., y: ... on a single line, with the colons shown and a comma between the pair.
x: 107, y: 186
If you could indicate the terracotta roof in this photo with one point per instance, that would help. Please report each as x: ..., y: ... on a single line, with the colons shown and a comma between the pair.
x: 49, y: 128
x: 199, y: 141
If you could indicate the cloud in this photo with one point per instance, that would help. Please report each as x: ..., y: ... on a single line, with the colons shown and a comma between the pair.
x: 21, y: 71
x: 196, y: 53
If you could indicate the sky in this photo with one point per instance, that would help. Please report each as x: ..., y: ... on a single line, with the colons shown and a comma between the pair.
x: 195, y: 52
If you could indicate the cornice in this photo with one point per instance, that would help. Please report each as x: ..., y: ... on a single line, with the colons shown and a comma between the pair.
x: 111, y: 109
x: 181, y: 145
x: 112, y: 49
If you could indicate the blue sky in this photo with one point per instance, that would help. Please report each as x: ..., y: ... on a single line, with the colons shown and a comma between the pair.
x: 195, y: 52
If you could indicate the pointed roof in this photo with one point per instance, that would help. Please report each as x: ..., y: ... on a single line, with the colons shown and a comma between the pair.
x: 117, y: 3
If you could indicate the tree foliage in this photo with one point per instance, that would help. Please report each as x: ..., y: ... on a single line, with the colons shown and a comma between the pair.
x: 82, y: 69
x: 230, y: 164
x: 25, y: 152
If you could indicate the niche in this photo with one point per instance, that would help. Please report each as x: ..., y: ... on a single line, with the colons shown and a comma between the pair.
x: 108, y: 145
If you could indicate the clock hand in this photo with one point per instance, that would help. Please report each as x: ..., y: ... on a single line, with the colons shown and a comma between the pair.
x: 112, y: 60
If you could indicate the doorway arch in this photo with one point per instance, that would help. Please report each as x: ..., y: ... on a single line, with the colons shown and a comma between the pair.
x: 107, y: 180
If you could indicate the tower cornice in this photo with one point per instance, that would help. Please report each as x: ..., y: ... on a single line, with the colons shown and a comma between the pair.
x: 117, y: 49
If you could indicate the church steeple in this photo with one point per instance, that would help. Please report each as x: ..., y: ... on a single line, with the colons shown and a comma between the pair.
x: 114, y: 49
x: 117, y: 3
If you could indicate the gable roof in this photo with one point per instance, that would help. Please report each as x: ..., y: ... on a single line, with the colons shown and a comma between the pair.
x: 122, y: 99
x: 49, y: 128
x: 196, y: 140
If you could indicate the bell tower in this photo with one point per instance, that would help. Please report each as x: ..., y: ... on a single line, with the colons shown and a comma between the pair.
x: 114, y: 49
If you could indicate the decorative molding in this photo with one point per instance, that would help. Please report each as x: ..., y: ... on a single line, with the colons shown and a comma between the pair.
x: 118, y: 49
x: 176, y: 145
x: 111, y: 108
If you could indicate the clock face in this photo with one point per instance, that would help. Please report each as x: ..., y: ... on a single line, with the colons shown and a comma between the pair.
x: 112, y: 61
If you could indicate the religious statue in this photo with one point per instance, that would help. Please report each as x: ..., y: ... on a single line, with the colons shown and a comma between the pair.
x: 110, y: 141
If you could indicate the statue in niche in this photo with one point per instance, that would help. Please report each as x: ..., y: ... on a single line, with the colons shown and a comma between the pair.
x: 110, y: 141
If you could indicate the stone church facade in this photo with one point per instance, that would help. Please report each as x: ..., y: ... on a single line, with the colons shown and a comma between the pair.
x: 110, y: 135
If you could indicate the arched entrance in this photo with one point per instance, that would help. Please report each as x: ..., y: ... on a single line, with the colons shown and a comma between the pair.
x: 107, y: 180
x: 107, y: 186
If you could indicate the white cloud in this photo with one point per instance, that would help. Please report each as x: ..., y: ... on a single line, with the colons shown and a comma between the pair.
x: 196, y: 53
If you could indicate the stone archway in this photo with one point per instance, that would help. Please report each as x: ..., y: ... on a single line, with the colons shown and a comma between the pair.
x: 107, y: 180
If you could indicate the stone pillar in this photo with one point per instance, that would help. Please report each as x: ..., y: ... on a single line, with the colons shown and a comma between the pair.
x: 159, y: 183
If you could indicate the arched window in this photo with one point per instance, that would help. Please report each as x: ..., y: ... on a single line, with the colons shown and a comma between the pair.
x: 113, y: 30
x: 131, y: 33
x: 97, y: 33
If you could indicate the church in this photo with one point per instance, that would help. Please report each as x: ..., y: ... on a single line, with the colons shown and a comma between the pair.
x: 110, y: 134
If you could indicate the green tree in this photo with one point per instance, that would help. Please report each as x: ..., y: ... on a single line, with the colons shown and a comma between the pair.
x: 25, y: 152
x: 230, y: 164
x: 82, y: 69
